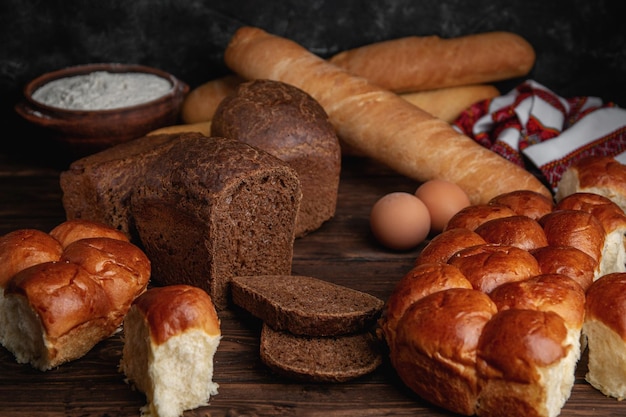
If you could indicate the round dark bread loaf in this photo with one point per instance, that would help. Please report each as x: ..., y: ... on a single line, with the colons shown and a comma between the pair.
x: 289, y: 124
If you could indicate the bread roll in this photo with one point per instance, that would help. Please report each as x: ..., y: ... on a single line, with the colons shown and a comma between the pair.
x: 520, y: 231
x: 72, y: 230
x: 378, y: 122
x: 525, y: 203
x: 473, y: 216
x: 569, y: 261
x: 23, y: 248
x: 605, y: 330
x: 56, y: 303
x: 526, y: 363
x: 575, y: 228
x: 435, y: 347
x: 602, y: 175
x: 171, y: 335
x: 490, y: 265
x: 54, y: 312
x: 613, y: 220
x: 445, y: 244
x: 419, y: 282
x: 200, y: 104
x: 418, y: 63
x: 546, y: 292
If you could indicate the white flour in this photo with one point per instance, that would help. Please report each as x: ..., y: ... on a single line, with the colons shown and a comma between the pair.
x: 102, y: 90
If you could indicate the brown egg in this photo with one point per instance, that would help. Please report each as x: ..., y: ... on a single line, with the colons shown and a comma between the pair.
x: 400, y: 220
x: 443, y: 199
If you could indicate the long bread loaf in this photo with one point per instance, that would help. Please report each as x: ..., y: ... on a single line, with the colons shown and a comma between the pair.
x: 418, y: 63
x: 378, y: 122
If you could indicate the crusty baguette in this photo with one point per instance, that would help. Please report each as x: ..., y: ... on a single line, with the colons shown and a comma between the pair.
x: 378, y: 122
x: 449, y: 102
x: 418, y: 63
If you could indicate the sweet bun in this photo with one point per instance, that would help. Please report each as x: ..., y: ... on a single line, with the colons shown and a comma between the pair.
x: 575, y: 228
x: 613, y: 220
x: 420, y: 281
x: 603, y: 175
x: 605, y: 330
x: 75, y: 229
x: 22, y: 248
x: 441, y: 247
x: 62, y: 301
x: 525, y: 362
x: 171, y: 335
x: 547, y: 292
x: 520, y: 231
x: 436, y: 345
x: 120, y: 268
x: 473, y: 216
x: 525, y: 203
x: 490, y: 265
x: 569, y: 261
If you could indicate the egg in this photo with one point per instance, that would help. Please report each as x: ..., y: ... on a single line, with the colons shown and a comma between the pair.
x: 443, y: 199
x: 400, y: 220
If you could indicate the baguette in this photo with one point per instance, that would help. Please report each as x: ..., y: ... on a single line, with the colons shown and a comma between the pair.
x: 446, y: 103
x: 417, y: 63
x: 378, y: 122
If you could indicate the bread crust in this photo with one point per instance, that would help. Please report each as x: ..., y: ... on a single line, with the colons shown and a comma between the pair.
x: 490, y: 265
x: 445, y: 244
x: 520, y: 231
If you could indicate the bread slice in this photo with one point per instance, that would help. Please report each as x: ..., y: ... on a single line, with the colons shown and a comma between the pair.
x: 320, y: 359
x: 305, y: 305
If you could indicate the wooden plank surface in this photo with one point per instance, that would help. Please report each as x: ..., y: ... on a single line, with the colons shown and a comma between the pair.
x: 342, y: 251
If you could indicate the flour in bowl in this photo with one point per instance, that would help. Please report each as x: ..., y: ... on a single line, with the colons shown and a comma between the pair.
x: 102, y: 90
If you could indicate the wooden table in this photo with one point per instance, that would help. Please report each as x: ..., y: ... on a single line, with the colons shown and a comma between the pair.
x: 342, y: 251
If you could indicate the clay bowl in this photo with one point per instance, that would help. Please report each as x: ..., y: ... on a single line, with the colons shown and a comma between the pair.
x: 84, y: 131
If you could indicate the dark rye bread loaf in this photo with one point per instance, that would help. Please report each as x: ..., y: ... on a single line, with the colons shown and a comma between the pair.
x: 319, y: 359
x: 288, y: 123
x: 204, y: 209
x: 98, y: 187
x: 305, y: 305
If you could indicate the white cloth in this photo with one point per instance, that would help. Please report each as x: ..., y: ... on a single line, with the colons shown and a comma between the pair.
x: 539, y: 130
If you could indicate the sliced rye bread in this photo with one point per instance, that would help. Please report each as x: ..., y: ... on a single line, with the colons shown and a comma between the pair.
x: 304, y: 305
x: 319, y: 359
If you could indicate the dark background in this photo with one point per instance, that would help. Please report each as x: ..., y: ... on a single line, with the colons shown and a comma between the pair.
x: 579, y: 43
